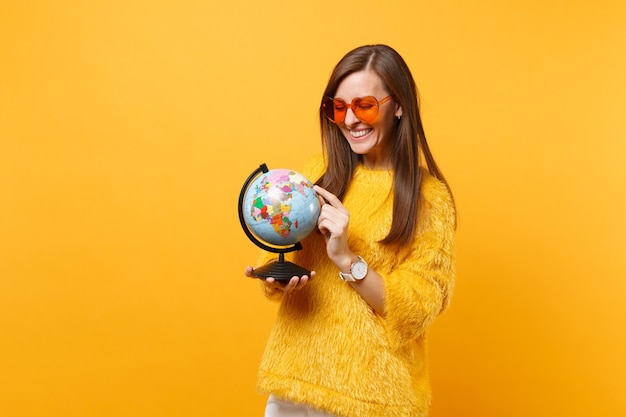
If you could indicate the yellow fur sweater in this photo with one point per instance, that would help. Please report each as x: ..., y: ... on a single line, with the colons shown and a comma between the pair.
x: 328, y: 349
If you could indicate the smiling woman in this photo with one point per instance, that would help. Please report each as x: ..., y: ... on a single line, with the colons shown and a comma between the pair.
x: 359, y: 320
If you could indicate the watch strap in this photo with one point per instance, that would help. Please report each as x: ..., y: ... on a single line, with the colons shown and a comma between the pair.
x: 347, y: 277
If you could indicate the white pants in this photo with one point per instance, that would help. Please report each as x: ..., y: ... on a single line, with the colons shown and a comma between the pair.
x: 280, y: 408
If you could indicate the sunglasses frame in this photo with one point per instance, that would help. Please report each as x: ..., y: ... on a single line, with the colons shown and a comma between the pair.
x: 354, y: 106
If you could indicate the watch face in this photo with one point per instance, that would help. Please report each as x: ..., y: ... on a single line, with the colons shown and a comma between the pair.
x: 359, y: 269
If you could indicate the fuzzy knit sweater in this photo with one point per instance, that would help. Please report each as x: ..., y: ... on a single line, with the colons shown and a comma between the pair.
x: 328, y: 349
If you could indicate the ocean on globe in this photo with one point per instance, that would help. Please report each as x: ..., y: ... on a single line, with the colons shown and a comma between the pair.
x: 280, y: 207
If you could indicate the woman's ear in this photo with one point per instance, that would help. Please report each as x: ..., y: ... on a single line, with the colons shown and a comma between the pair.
x: 399, y: 112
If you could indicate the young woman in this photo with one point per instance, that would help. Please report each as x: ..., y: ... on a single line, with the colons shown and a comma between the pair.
x: 350, y: 339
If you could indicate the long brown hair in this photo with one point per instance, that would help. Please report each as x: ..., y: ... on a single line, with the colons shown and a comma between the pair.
x: 409, y: 144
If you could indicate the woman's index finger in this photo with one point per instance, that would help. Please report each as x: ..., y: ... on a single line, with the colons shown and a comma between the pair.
x: 329, y: 197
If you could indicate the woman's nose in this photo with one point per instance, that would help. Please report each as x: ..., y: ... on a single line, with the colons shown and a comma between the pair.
x: 351, y: 118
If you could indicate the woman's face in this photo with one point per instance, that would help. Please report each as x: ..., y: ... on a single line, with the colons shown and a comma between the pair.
x: 371, y: 140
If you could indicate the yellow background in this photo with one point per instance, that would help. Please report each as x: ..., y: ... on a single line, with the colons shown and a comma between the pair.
x: 128, y: 127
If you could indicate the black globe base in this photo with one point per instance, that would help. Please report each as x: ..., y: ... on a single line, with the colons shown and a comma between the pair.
x: 281, y: 271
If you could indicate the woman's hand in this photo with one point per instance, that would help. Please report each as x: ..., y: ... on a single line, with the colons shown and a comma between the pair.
x: 294, y: 284
x: 333, y: 224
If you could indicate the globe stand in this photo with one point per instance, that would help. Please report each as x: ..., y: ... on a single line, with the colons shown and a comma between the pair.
x: 281, y: 270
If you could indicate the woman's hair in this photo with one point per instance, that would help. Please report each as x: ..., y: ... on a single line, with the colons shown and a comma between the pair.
x: 408, y: 145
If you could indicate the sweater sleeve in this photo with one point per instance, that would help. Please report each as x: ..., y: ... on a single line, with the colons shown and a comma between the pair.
x: 419, y: 288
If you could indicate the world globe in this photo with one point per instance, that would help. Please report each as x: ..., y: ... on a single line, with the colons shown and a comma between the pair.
x: 277, y: 209
x: 281, y: 207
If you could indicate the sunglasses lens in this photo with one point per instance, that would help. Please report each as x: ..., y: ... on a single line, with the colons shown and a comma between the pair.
x: 334, y: 109
x: 366, y: 109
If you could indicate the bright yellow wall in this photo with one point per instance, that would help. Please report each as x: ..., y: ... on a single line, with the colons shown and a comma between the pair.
x: 127, y: 128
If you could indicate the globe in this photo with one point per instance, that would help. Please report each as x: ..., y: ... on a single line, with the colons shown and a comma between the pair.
x: 281, y: 207
x: 277, y: 209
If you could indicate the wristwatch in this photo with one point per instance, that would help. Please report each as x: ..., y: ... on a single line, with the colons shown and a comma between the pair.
x: 358, y: 271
